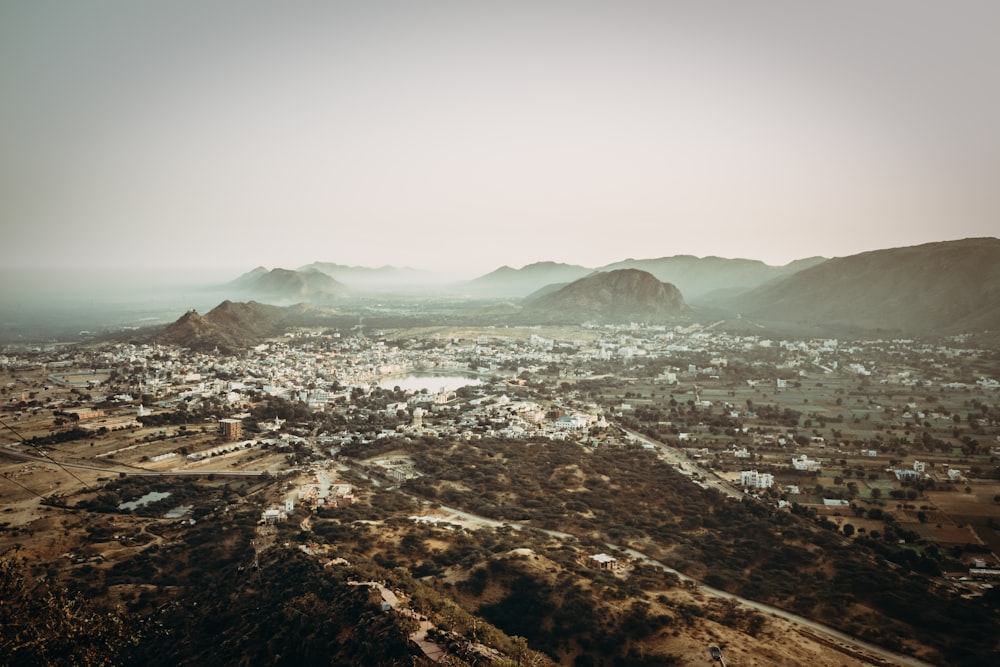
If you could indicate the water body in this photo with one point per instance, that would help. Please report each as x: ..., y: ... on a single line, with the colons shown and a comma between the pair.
x: 178, y: 512
x: 150, y: 497
x: 432, y: 383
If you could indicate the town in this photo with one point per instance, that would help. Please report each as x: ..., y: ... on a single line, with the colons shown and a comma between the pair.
x: 889, y: 444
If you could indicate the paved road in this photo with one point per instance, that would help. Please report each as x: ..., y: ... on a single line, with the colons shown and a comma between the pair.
x: 679, y: 458
x: 123, y: 468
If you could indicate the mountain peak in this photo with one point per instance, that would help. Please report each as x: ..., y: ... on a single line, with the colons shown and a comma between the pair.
x: 618, y: 295
x: 229, y: 327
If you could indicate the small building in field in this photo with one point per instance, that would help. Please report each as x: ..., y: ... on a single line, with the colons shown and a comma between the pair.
x: 604, y: 561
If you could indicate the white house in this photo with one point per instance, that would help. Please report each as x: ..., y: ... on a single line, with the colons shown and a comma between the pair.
x: 805, y: 463
x: 604, y: 561
x: 571, y: 422
x: 756, y: 480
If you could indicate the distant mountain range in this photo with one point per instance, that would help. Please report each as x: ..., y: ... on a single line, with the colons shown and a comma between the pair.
x: 369, y: 279
x: 509, y: 282
x: 936, y: 287
x: 697, y: 277
x: 694, y: 276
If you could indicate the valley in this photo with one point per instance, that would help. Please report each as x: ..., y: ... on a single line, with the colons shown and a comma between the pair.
x: 870, y: 508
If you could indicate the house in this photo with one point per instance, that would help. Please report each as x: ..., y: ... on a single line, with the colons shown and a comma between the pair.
x: 756, y: 480
x: 805, y: 463
x: 84, y: 413
x: 574, y: 422
x: 271, y: 516
x: 604, y: 561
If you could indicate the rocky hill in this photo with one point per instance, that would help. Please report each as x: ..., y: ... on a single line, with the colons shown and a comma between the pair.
x: 943, y: 287
x: 287, y: 285
x: 613, y: 296
x: 229, y: 327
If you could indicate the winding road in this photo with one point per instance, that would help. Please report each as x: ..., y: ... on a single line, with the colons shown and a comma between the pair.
x: 856, y: 648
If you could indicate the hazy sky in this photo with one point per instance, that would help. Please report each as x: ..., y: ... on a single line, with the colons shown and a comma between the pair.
x: 465, y: 135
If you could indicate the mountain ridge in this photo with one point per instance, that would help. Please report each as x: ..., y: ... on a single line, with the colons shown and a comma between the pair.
x: 511, y: 282
x: 934, y: 288
x: 944, y: 286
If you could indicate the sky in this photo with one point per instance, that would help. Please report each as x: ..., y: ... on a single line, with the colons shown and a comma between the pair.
x: 462, y: 136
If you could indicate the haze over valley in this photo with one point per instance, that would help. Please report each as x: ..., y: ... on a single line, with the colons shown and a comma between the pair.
x: 944, y: 287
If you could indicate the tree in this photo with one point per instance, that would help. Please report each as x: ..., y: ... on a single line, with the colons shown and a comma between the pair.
x: 46, y: 626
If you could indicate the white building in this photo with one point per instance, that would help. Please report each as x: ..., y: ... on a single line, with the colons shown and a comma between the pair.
x: 805, y: 463
x: 571, y: 422
x: 756, y: 480
x: 604, y: 561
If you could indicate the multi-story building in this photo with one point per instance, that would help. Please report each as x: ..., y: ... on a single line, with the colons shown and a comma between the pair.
x: 756, y: 480
x: 231, y: 429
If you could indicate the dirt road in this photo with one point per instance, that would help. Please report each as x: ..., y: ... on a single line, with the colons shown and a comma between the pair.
x: 856, y: 648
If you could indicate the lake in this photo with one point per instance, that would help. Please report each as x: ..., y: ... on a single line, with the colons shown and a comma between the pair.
x: 432, y: 383
x: 150, y: 497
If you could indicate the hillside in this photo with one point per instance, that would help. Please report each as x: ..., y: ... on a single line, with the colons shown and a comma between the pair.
x: 696, y: 277
x: 228, y: 327
x: 936, y: 287
x: 619, y: 296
